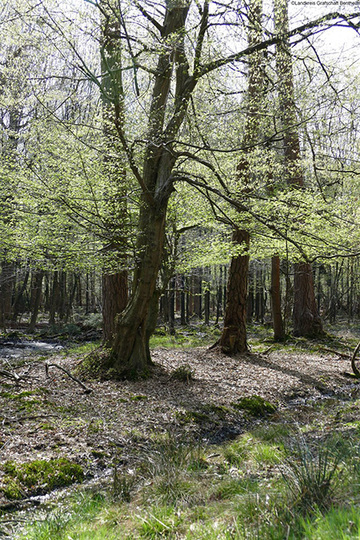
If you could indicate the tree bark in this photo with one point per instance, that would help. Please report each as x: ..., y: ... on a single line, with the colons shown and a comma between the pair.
x: 38, y: 279
x: 306, y: 320
x: 275, y: 291
x: 114, y: 283
x: 233, y: 337
x: 7, y: 281
x: 130, y: 353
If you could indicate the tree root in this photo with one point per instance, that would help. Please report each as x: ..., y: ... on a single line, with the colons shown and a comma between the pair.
x: 353, y: 361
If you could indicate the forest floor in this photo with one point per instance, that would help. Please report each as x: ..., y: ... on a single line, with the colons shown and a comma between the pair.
x: 193, y: 393
x: 47, y: 415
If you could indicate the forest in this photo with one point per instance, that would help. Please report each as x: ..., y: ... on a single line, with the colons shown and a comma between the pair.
x: 179, y: 269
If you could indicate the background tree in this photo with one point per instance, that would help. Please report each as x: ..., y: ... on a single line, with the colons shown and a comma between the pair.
x: 306, y: 319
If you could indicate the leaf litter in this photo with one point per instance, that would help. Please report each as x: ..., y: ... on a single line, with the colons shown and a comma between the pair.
x: 47, y: 417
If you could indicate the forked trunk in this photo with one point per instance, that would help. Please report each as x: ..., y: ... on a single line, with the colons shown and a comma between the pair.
x: 233, y: 338
x: 306, y: 320
x: 130, y: 353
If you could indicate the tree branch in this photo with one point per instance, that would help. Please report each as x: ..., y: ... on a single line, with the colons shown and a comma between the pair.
x: 321, y: 21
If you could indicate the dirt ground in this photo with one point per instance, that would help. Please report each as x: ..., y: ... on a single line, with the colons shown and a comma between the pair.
x: 44, y: 416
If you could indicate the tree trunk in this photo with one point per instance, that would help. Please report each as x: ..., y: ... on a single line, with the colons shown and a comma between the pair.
x: 38, y: 279
x: 275, y: 290
x: 306, y: 320
x: 115, y: 293
x: 130, y: 353
x: 171, y: 301
x: 54, y: 298
x: 19, y: 302
x: 305, y: 315
x: 233, y: 338
x: 182, y: 301
x: 114, y: 284
x: 7, y: 280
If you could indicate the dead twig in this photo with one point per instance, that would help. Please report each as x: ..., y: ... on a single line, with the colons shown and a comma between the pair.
x: 10, y: 375
x: 86, y: 389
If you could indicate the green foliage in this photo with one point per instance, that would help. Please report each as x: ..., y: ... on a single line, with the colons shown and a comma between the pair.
x: 311, y: 473
x: 160, y: 522
x: 255, y: 405
x: 39, y: 477
x: 185, y: 337
x: 341, y: 523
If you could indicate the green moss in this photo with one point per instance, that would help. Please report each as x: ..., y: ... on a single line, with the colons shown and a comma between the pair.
x: 38, y: 477
x: 255, y: 405
x: 12, y: 490
x: 19, y: 396
x: 189, y: 417
x: 219, y: 410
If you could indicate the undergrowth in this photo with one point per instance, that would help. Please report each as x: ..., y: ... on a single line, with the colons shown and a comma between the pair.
x: 272, y: 482
x: 277, y: 480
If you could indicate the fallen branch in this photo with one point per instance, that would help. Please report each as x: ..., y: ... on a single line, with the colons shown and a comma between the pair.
x: 86, y: 389
x: 10, y: 375
x: 342, y: 355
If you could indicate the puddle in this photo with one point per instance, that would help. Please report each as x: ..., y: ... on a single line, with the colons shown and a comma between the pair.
x: 20, y: 349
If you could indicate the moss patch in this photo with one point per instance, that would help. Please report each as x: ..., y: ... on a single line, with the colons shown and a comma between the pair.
x: 255, y: 405
x: 38, y: 477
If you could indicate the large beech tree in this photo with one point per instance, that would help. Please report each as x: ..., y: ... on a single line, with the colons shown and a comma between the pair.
x: 181, y: 62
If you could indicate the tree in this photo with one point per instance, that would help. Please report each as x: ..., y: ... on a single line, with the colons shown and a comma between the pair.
x: 233, y: 337
x: 306, y: 319
x: 115, y: 283
x: 173, y: 57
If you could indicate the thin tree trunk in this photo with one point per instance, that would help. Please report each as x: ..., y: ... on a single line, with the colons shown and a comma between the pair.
x: 275, y: 291
x: 36, y: 299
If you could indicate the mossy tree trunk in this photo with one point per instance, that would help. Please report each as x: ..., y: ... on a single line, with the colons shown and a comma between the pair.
x: 306, y: 320
x: 115, y: 277
x: 233, y: 338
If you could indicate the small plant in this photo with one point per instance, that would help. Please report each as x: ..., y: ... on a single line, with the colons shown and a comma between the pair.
x: 311, y: 473
x: 183, y: 373
x: 159, y: 523
x: 123, y: 485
